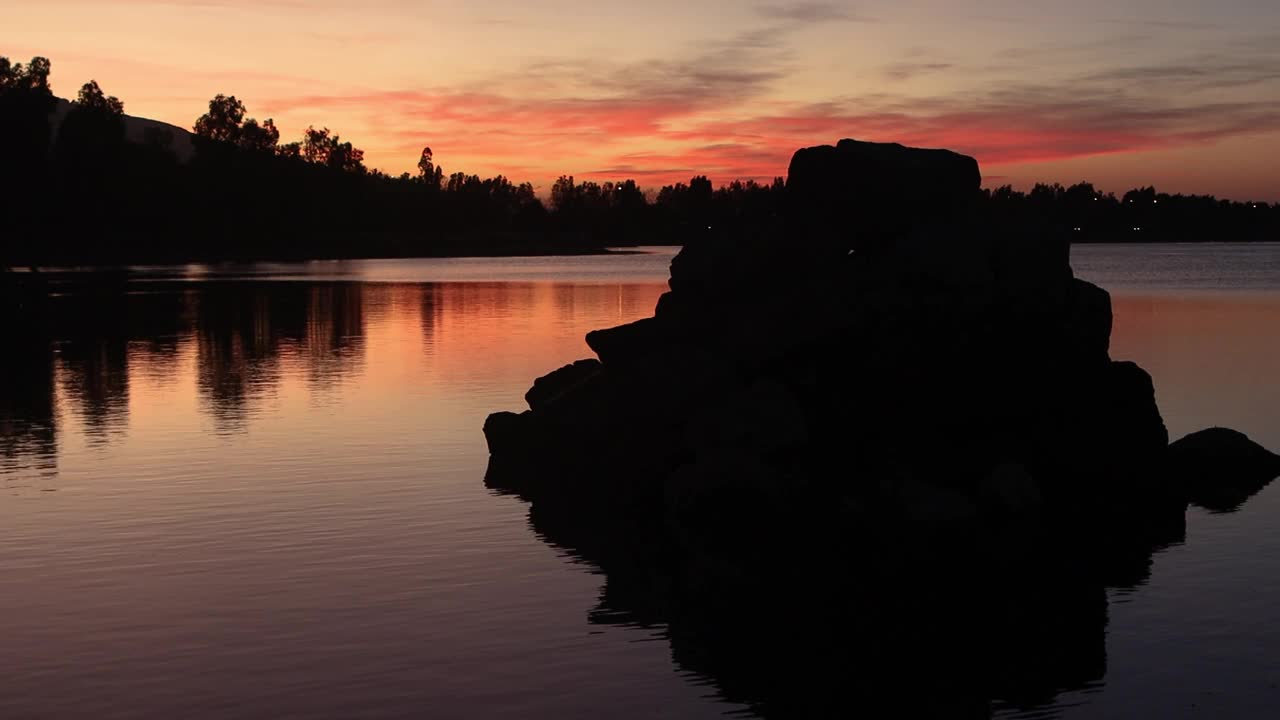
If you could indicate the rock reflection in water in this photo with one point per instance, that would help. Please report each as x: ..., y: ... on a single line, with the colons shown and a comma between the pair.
x: 832, y: 632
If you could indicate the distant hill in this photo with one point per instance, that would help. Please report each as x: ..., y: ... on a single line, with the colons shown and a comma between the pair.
x: 136, y: 129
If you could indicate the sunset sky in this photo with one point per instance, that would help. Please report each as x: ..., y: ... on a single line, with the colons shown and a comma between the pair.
x: 1184, y: 94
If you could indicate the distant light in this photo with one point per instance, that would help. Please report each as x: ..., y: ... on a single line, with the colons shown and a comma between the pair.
x: 1155, y: 202
x: 1137, y: 229
x: 1077, y: 229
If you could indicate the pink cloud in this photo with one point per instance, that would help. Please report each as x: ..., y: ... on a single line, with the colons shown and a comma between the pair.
x: 489, y: 132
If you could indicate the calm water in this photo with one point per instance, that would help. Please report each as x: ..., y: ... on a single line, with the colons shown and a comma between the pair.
x: 257, y: 492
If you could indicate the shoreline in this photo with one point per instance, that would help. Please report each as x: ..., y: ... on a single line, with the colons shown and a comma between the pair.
x: 26, y: 269
x: 496, y: 252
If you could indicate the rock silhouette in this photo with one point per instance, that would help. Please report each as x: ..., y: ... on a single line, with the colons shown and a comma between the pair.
x: 1220, y: 469
x: 878, y: 448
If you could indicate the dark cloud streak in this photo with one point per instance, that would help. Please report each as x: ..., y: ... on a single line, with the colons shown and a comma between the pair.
x: 1200, y: 73
x: 808, y: 12
x: 908, y: 70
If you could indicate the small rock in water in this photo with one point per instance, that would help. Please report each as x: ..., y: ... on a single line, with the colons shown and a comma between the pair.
x: 1221, y: 468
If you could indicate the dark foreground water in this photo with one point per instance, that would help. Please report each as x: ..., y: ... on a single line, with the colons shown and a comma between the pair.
x: 256, y: 492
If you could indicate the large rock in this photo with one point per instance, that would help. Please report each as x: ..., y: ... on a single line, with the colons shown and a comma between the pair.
x: 1221, y: 468
x: 891, y: 393
x: 627, y: 343
x: 764, y: 418
x: 858, y: 192
x: 550, y: 388
x: 509, y: 433
x: 1011, y: 491
x: 1089, y: 322
x: 1032, y: 271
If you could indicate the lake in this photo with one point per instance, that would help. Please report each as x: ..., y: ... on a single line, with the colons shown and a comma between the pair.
x: 257, y: 491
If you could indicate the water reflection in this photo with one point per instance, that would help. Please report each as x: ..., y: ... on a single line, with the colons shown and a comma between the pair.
x: 335, y: 334
x: 841, y: 629
x: 284, y: 518
x: 93, y: 352
x: 233, y: 343
x: 237, y: 353
x: 28, y: 420
x: 1213, y: 357
x: 268, y: 506
x: 244, y: 334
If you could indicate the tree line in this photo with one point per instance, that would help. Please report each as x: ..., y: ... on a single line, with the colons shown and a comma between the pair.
x: 1139, y: 215
x: 77, y: 190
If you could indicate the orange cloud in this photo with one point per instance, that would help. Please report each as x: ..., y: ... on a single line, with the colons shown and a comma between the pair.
x: 513, y: 93
x: 661, y: 140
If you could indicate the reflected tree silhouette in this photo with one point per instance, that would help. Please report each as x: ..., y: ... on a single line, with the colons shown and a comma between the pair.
x: 84, y: 344
x: 335, y: 333
x: 28, y: 411
x: 237, y: 354
x: 93, y: 358
x: 246, y: 334
x: 431, y: 313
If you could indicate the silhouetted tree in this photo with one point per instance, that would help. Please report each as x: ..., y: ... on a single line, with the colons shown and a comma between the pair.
x: 26, y: 103
x: 226, y: 124
x: 92, y: 99
x: 33, y: 77
x: 245, y: 195
x: 565, y: 195
x: 224, y: 120
x: 321, y: 148
x: 259, y: 138
x: 430, y: 174
x: 89, y: 153
x: 345, y: 157
x: 92, y: 132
